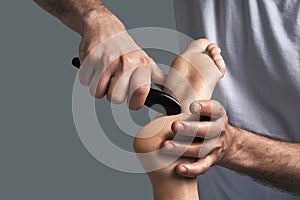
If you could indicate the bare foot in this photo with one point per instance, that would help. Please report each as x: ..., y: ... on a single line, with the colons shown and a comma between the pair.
x: 193, y: 76
x: 195, y: 73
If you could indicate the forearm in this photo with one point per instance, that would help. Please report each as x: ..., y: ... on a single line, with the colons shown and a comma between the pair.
x: 273, y: 162
x: 76, y: 14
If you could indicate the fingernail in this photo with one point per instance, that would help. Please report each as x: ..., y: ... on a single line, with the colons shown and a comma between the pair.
x: 195, y: 107
x: 169, y: 147
x: 182, y: 169
x: 179, y: 127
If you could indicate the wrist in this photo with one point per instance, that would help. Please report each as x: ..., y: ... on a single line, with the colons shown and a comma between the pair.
x: 237, y: 139
x: 244, y: 150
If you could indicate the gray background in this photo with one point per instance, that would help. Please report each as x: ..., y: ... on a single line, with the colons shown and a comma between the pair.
x: 41, y: 154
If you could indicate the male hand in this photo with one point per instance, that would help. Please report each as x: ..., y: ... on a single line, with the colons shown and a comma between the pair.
x: 213, y: 138
x: 113, y: 64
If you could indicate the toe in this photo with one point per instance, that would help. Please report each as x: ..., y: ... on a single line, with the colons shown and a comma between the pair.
x: 199, y: 45
x: 220, y: 63
x: 215, y: 53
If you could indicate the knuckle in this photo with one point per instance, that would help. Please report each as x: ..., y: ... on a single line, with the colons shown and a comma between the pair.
x: 117, y: 99
x: 141, y: 90
x: 107, y: 58
x: 150, y: 60
x: 145, y: 60
x: 136, y: 58
x: 218, y: 109
x: 126, y: 63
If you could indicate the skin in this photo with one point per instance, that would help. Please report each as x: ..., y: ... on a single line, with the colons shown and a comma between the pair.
x: 112, y: 63
x: 270, y: 161
x: 200, y: 74
x: 267, y: 160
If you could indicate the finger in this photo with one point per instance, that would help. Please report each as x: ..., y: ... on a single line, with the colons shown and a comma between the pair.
x: 101, y: 80
x: 87, y: 68
x: 118, y: 87
x: 208, y: 108
x: 189, y: 149
x: 85, y: 74
x: 139, y: 87
x: 182, y: 148
x: 197, y: 168
x: 99, y: 83
x: 203, y: 129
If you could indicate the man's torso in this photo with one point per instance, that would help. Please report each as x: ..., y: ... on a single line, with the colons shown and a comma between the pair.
x: 260, y: 42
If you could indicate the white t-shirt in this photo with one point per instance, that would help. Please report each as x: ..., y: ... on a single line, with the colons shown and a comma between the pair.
x: 260, y: 42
